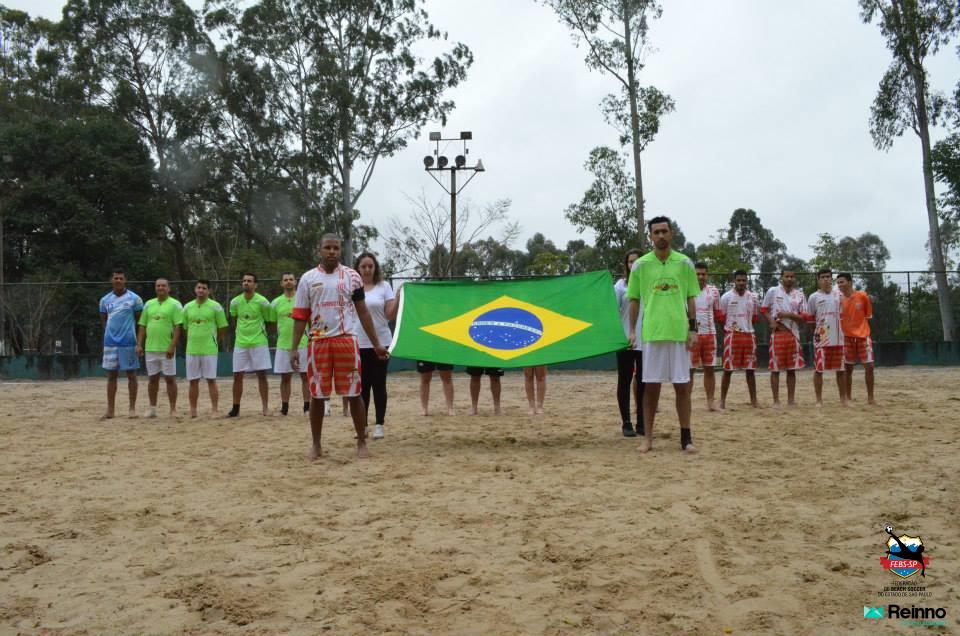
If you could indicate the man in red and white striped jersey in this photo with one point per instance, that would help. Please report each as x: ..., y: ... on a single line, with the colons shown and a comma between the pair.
x: 704, y: 354
x: 330, y: 299
x: 739, y: 310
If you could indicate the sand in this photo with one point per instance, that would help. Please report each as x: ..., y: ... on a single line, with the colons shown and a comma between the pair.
x: 475, y: 525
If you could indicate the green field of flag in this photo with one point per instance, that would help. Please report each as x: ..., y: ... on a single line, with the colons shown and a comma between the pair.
x: 516, y: 323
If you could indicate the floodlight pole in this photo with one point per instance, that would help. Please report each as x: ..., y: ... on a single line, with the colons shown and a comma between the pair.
x: 437, y: 163
x: 453, y: 219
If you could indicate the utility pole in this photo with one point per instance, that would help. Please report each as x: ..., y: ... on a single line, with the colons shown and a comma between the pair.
x: 438, y: 163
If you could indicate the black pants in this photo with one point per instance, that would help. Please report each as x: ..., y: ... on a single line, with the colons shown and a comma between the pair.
x: 373, y: 375
x: 628, y: 362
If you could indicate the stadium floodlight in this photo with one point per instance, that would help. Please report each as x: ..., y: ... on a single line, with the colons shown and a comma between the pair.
x: 442, y: 162
x: 434, y: 136
x: 460, y: 161
x: 479, y: 167
x: 466, y: 134
x: 428, y: 161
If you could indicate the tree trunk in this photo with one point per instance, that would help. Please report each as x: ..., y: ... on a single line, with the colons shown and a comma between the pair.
x: 347, y: 204
x: 634, y: 129
x: 936, y: 245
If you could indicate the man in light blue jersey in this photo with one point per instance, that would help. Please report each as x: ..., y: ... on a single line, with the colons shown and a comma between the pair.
x: 119, y: 312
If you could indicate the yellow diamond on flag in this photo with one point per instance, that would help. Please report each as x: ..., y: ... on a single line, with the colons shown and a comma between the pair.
x: 507, y: 328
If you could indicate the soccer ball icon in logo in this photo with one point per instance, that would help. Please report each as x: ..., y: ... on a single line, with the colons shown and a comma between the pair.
x: 904, y: 555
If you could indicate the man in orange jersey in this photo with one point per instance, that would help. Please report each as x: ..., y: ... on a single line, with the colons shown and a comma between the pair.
x: 855, y: 315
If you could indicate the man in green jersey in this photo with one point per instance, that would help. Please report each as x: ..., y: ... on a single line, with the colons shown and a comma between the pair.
x: 204, y: 324
x: 157, y: 337
x: 666, y: 281
x: 282, y: 307
x: 251, y: 352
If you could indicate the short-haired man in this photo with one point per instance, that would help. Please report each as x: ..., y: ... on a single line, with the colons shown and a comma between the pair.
x: 330, y: 298
x: 667, y: 283
x: 785, y: 307
x: 704, y: 354
x: 204, y: 325
x: 157, y: 338
x: 739, y: 309
x: 855, y: 315
x: 827, y: 336
x: 251, y: 351
x: 282, y: 308
x: 119, y: 312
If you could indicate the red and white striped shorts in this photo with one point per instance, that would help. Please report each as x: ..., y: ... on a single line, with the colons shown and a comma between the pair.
x: 785, y: 352
x: 334, y: 363
x: 739, y: 351
x: 857, y: 350
x: 827, y: 359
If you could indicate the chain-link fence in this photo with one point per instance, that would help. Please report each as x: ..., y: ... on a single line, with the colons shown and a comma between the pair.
x: 63, y: 317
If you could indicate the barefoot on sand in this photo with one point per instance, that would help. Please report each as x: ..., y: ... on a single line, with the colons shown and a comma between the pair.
x: 690, y: 449
x: 645, y: 446
x: 314, y: 453
x: 362, y: 452
x: 106, y: 416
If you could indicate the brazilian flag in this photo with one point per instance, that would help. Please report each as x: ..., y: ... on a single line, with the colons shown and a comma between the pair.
x: 517, y: 323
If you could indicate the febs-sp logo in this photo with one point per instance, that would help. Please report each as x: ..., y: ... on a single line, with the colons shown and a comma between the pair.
x: 904, y: 555
x: 873, y: 612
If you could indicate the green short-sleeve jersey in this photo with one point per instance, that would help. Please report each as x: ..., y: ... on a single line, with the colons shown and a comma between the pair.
x: 201, y: 322
x: 160, y: 319
x: 282, y: 308
x: 252, y: 317
x: 664, y: 287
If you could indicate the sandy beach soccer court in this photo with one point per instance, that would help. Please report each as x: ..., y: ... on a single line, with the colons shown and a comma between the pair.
x: 476, y: 525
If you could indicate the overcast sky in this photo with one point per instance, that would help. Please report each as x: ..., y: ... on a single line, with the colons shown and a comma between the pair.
x: 773, y: 101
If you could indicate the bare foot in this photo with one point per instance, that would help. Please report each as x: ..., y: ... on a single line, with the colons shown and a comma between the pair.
x: 473, y: 411
x: 425, y: 413
x: 106, y: 416
x: 872, y: 402
x: 645, y: 446
x: 690, y: 449
x: 216, y: 415
x: 777, y: 405
x: 819, y: 405
x: 844, y: 403
x: 723, y: 406
x: 193, y: 414
x: 531, y: 411
x: 450, y: 412
x: 267, y: 413
x: 314, y: 453
x: 151, y: 412
x: 362, y: 452
x: 792, y: 404
x: 755, y: 405
x: 712, y: 407
x: 540, y: 410
x: 497, y: 411
x: 132, y: 415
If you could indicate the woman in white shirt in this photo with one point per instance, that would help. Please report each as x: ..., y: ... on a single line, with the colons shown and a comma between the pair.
x: 382, y: 304
x: 629, y: 361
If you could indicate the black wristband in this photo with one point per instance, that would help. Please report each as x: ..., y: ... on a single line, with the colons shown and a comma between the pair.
x: 693, y: 324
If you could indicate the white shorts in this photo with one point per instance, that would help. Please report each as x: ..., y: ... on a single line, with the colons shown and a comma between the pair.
x: 666, y: 363
x: 250, y: 360
x: 202, y: 367
x: 281, y: 361
x: 160, y: 363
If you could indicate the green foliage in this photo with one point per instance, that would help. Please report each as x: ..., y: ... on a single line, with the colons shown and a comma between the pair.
x: 614, y: 34
x: 608, y: 205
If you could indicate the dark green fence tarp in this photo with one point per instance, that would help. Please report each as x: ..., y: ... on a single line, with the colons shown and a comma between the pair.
x: 63, y: 367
